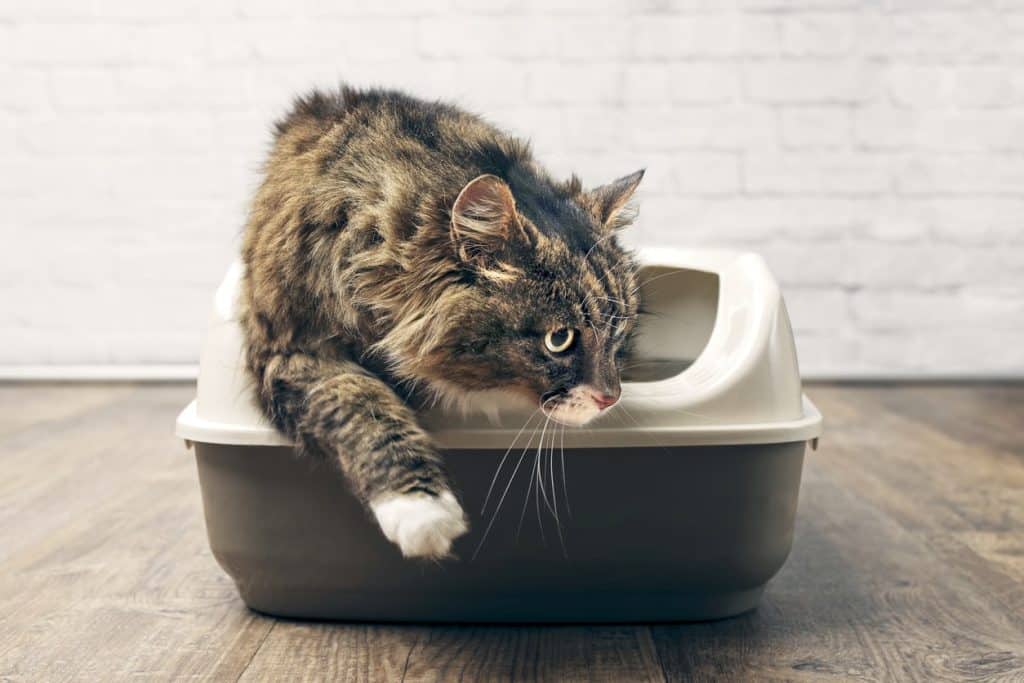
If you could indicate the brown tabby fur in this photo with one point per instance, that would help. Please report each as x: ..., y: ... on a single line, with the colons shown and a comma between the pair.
x: 362, y: 301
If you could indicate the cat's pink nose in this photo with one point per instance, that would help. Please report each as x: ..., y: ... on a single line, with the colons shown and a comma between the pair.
x: 604, y: 400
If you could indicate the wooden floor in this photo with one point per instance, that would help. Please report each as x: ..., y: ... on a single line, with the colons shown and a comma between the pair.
x: 908, y: 562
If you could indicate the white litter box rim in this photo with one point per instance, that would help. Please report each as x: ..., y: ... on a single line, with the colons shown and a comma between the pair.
x: 743, y: 388
x: 194, y: 428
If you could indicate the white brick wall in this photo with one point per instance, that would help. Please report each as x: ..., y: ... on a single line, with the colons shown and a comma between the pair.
x: 872, y: 151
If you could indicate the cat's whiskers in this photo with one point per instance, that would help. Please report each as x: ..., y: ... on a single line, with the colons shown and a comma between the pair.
x: 591, y: 251
x: 501, y: 463
x: 612, y: 299
x: 652, y: 279
x: 554, y: 497
x: 536, y: 481
x: 611, y: 318
x: 540, y: 454
x: 565, y: 484
x: 504, y: 494
x: 526, y: 501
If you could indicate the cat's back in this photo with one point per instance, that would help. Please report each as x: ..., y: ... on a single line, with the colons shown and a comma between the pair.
x: 354, y: 179
x: 353, y: 132
x: 349, y: 167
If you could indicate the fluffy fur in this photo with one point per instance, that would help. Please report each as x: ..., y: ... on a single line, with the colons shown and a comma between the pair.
x: 400, y: 252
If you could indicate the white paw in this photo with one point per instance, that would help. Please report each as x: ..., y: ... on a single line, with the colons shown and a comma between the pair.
x: 419, y: 524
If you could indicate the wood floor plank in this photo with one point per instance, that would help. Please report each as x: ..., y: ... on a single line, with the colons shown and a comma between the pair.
x: 442, y: 653
x: 983, y: 415
x: 941, y: 488
x: 908, y: 561
x: 105, y: 571
x: 861, y: 598
x: 26, y: 405
x: 298, y: 651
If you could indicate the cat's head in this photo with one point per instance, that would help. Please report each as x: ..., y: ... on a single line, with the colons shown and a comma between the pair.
x: 549, y: 298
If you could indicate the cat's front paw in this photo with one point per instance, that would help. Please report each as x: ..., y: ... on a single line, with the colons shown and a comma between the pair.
x: 421, y: 525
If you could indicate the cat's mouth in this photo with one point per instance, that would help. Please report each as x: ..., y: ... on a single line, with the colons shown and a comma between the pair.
x: 577, y: 406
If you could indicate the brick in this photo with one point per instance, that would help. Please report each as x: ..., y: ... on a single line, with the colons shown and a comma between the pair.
x: 556, y: 82
x: 668, y: 7
x: 368, y: 8
x: 889, y: 220
x: 992, y: 309
x: 145, y: 347
x: 918, y: 6
x: 591, y: 37
x: 986, y: 87
x: 488, y: 6
x: 697, y: 35
x: 972, y: 132
x: 885, y: 127
x: 8, y: 134
x: 812, y: 82
x: 560, y: 7
x: 828, y: 353
x: 818, y: 308
x: 796, y: 5
x: 699, y: 173
x: 78, y: 44
x: 25, y: 89
x: 85, y: 133
x: 820, y: 35
x: 816, y: 173
x: 919, y: 86
x: 84, y: 89
x: 815, y: 127
x: 689, y: 83
x: 487, y: 84
x: 956, y: 174
x: 935, y: 35
x: 806, y: 264
x: 594, y: 128
x: 199, y: 265
x: 181, y: 11
x: 801, y: 219
x: 151, y: 88
x: 972, y: 222
x: 719, y: 128
x: 922, y: 266
x: 28, y: 10
x: 485, y: 36
x: 38, y: 346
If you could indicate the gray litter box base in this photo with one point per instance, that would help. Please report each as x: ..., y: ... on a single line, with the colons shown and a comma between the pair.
x: 654, y: 534
x: 515, y: 608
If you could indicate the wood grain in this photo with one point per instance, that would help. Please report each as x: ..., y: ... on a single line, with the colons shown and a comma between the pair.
x: 908, y: 562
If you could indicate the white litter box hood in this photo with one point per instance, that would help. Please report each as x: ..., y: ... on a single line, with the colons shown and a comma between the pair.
x: 722, y: 310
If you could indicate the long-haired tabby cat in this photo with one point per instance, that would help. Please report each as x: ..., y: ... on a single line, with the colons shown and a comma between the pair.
x: 399, y: 252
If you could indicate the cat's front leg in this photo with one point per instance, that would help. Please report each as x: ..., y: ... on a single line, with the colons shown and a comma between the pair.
x: 338, y: 408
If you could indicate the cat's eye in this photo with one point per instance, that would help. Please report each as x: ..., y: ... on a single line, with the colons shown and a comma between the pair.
x: 560, y: 340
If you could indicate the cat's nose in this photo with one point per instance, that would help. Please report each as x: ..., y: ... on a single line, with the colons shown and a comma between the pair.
x: 604, y: 400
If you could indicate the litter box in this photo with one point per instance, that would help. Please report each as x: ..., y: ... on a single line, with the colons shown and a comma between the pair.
x: 677, y: 504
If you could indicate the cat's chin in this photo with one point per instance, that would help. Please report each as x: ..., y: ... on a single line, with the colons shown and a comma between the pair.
x: 573, y: 417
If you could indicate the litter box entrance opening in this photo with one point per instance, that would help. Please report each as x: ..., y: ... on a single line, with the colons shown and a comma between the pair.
x: 681, y: 306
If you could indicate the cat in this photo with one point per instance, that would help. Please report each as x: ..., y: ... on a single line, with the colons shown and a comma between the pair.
x: 400, y: 252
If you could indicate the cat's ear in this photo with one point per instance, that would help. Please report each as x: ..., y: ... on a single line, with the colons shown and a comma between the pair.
x: 483, y: 217
x: 610, y: 202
